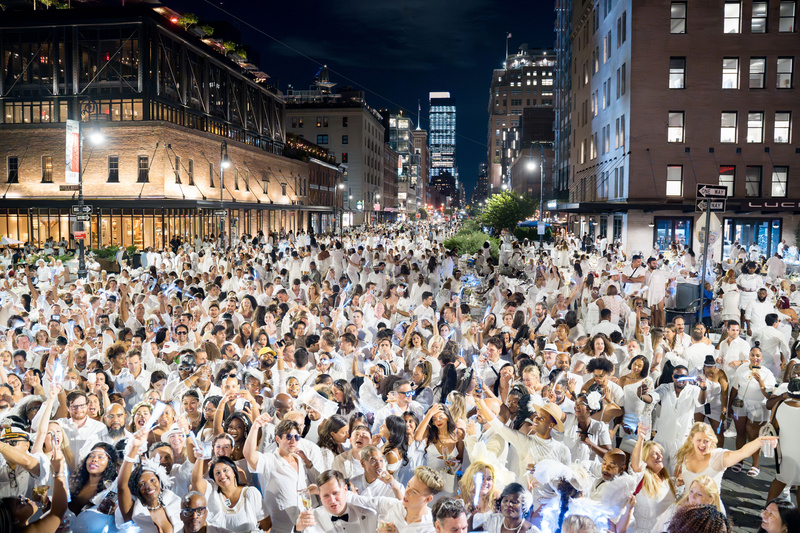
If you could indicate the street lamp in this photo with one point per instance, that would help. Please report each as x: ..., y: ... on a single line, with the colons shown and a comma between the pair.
x: 89, y: 107
x: 224, y: 162
x: 532, y: 165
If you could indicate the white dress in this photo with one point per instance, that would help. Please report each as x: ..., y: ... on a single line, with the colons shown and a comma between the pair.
x: 141, y: 516
x: 730, y: 301
x: 714, y: 470
x: 648, y: 510
x: 788, y: 419
x: 242, y: 517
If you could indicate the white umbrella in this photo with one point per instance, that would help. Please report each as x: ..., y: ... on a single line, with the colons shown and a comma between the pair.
x: 8, y: 241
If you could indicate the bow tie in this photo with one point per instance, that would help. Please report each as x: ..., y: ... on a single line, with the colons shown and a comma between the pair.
x: 345, y: 517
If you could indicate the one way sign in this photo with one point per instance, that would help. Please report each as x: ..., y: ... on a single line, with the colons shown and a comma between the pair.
x: 712, y: 191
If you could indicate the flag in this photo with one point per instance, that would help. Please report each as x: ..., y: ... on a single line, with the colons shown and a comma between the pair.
x: 509, y: 36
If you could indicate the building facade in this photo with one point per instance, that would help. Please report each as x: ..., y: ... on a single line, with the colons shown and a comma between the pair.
x: 524, y: 81
x: 442, y: 139
x: 166, y: 103
x: 398, y: 128
x: 392, y: 166
x: 420, y: 166
x: 344, y: 124
x: 716, y: 102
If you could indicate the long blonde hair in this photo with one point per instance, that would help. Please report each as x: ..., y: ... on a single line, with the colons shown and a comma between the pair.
x: 467, y: 485
x: 688, y: 446
x: 458, y: 406
x: 709, y: 486
x: 651, y: 484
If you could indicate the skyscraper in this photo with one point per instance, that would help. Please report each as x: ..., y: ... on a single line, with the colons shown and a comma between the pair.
x: 442, y: 140
x: 525, y: 81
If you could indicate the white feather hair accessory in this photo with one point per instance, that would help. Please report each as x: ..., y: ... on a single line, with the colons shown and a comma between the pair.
x: 550, y: 472
x: 154, y: 466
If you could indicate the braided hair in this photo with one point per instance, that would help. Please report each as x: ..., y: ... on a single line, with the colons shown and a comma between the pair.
x: 566, y: 492
x: 706, y: 518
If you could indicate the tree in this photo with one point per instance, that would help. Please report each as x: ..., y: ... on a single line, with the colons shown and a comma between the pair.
x: 208, y: 30
x: 188, y: 20
x: 423, y: 213
x: 506, y: 210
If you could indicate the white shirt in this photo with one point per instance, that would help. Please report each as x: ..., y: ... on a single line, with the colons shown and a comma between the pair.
x: 677, y: 412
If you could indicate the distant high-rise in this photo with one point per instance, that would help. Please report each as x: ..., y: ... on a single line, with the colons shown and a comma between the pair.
x: 442, y: 140
x: 524, y: 81
x: 482, y: 188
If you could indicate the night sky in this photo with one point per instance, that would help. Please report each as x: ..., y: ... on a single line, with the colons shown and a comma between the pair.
x: 396, y: 50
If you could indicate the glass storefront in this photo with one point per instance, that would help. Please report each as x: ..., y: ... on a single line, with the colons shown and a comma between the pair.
x: 764, y: 233
x: 151, y: 227
x: 669, y: 230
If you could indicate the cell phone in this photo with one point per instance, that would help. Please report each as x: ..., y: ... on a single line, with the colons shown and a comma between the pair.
x: 57, y: 318
x: 241, y: 404
x: 280, y: 344
x: 92, y: 378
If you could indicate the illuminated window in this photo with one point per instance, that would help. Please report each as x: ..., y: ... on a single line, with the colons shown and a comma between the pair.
x: 755, y: 127
x: 677, y: 22
x: 727, y: 177
x: 758, y: 72
x: 730, y: 73
x: 47, y: 169
x: 783, y: 125
x: 732, y: 17
x: 727, y: 132
x: 677, y: 73
x: 675, y: 180
x: 675, y: 128
x: 780, y: 177
x: 758, y: 22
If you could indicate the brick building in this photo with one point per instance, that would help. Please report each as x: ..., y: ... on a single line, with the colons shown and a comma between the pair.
x: 667, y: 95
x: 165, y: 100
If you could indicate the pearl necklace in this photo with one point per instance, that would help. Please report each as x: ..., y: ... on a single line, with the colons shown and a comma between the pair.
x: 157, y: 507
x: 511, y: 528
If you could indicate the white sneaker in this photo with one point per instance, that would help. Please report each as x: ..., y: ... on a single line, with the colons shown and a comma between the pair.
x: 730, y: 433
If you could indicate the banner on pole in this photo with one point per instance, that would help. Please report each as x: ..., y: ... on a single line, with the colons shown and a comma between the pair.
x: 73, y: 152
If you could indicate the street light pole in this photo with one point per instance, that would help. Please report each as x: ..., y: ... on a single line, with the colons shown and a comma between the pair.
x: 90, y: 107
x: 531, y: 165
x: 224, y: 163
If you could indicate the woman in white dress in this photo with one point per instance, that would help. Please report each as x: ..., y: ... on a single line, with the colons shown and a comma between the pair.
x: 658, y: 491
x: 699, y: 456
x: 512, y: 509
x: 702, y: 491
x: 142, y: 493
x: 231, y: 506
x: 442, y: 444
x: 730, y: 296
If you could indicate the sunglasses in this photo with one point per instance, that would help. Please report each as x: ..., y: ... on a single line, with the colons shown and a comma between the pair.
x: 189, y: 511
x: 294, y: 437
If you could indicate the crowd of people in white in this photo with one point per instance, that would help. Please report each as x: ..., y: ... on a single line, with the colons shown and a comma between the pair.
x: 378, y: 381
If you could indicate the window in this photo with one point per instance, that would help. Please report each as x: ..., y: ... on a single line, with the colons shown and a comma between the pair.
x: 675, y: 127
x: 190, y: 172
x: 727, y: 177
x: 758, y: 23
x: 616, y: 135
x: 344, y: 157
x: 211, y: 175
x: 322, y: 122
x: 345, y: 139
x: 785, y: 68
x: 758, y: 71
x: 780, y: 177
x: 732, y: 17
x: 677, y: 17
x: 294, y: 122
x: 608, y: 47
x: 344, y: 122
x: 675, y: 180
x: 236, y: 179
x: 730, y: 73
x: 144, y: 169
x: 677, y: 73
x: 622, y: 82
x: 177, y: 170
x: 13, y: 169
x: 300, y: 122
x: 783, y: 125
x: 283, y: 189
x: 322, y: 139
x: 786, y: 21
x: 727, y: 132
x: 755, y: 127
x: 47, y: 169
x: 753, y: 182
x: 622, y: 130
x: 113, y: 169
